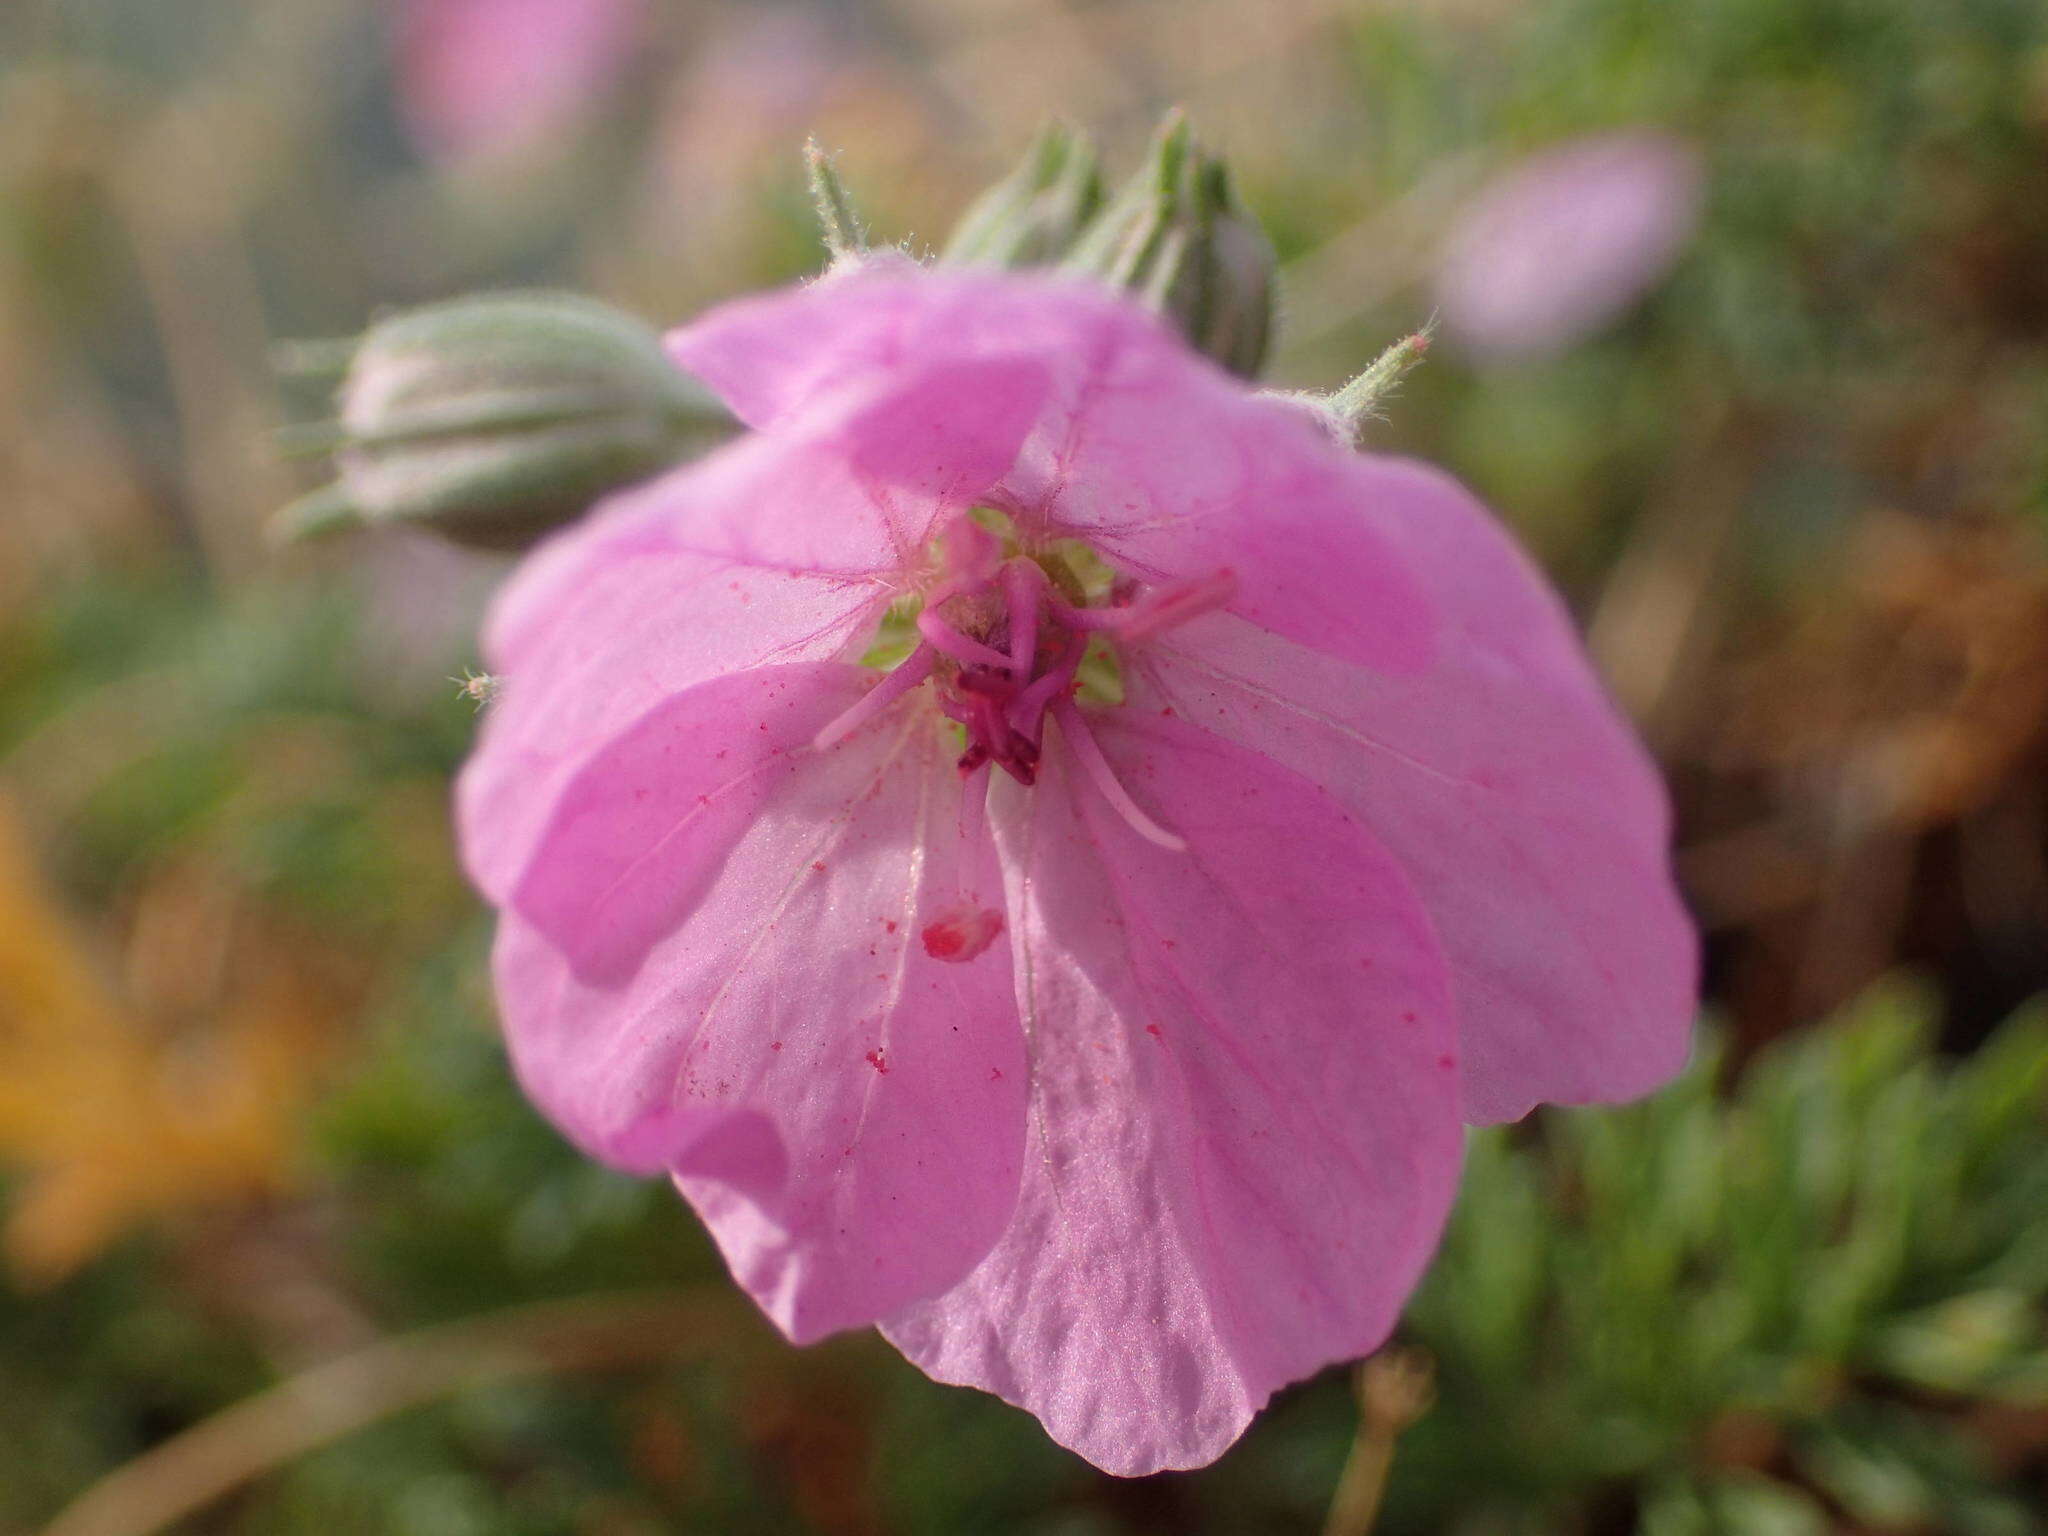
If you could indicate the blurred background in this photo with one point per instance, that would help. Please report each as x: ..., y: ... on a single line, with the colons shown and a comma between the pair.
x: 1744, y: 329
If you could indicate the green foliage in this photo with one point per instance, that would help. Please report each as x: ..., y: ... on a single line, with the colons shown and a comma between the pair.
x: 1750, y: 1310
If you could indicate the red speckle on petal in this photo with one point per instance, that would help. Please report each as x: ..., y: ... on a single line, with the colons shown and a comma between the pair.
x: 1407, y: 1018
x: 1447, y: 1063
x: 774, y: 1045
x: 818, y: 865
x: 995, y: 1074
x: 1154, y: 1031
x: 878, y: 1061
x: 962, y: 934
x: 889, y: 923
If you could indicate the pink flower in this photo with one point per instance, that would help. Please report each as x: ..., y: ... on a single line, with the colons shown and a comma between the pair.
x: 488, y: 76
x: 1065, y: 934
x: 1567, y: 240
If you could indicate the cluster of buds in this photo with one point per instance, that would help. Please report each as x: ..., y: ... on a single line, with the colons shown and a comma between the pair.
x: 493, y: 420
x: 1031, y: 217
x: 1174, y: 236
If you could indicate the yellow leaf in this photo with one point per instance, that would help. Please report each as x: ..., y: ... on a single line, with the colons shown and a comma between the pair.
x: 124, y: 1110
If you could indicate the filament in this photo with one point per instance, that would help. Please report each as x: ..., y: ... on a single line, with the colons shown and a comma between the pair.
x: 914, y: 669
x: 1096, y: 766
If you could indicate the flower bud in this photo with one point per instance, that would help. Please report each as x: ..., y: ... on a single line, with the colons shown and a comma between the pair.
x: 1178, y: 239
x: 1032, y: 215
x: 492, y: 420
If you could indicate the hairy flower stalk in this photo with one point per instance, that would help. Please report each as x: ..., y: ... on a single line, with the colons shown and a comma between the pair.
x: 1046, y: 849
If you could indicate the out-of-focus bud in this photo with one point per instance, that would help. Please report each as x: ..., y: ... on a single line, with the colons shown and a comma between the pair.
x: 484, y: 80
x: 1031, y: 216
x: 492, y: 420
x: 1566, y: 241
x: 1177, y: 238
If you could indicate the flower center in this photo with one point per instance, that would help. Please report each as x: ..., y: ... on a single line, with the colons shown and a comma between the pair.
x: 1007, y: 638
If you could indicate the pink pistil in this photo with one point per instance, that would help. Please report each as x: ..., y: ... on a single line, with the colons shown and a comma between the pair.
x: 1027, y: 710
x: 980, y: 699
x: 994, y: 695
x: 1024, y: 587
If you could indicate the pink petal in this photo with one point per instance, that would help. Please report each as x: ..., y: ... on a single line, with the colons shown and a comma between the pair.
x: 492, y: 75
x: 1243, y: 1124
x: 633, y: 840
x: 779, y: 548
x: 768, y: 355
x: 775, y: 356
x: 1567, y: 240
x: 604, y: 626
x: 1531, y: 822
x: 1142, y: 447
x: 1172, y: 471
x: 844, y: 1109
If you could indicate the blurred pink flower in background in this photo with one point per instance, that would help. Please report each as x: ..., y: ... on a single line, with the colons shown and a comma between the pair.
x: 747, y: 91
x: 487, y: 77
x: 1126, y: 1082
x: 720, y: 148
x: 714, y: 194
x: 1565, y: 241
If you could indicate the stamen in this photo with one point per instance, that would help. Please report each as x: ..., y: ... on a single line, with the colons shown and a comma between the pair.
x: 914, y: 669
x: 951, y: 642
x: 1169, y: 607
x: 1024, y: 585
x: 1158, y: 610
x: 970, y: 555
x: 1104, y: 778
